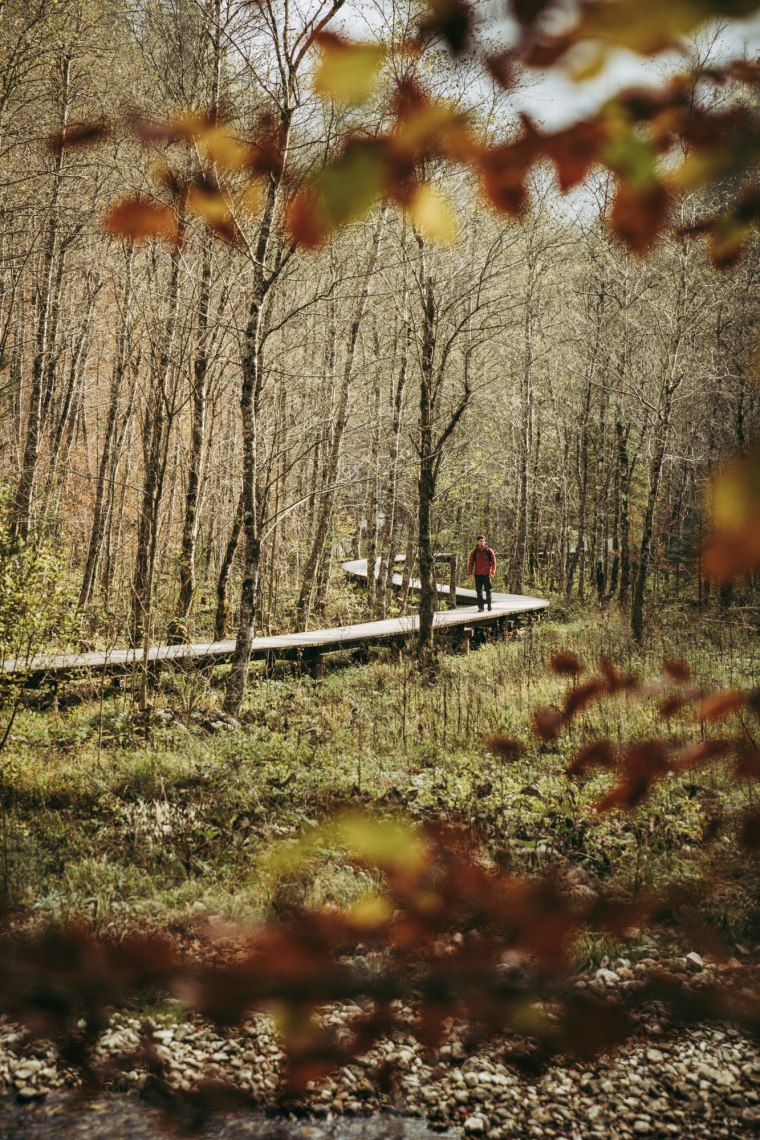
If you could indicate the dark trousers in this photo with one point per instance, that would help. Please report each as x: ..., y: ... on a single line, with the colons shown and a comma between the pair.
x: 483, y: 582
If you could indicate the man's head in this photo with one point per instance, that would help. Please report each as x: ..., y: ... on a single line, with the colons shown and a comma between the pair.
x: 481, y: 540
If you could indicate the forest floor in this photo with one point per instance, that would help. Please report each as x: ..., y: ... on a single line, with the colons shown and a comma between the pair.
x: 170, y: 820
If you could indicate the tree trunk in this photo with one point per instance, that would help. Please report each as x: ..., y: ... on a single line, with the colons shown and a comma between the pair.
x: 314, y: 580
x: 220, y: 622
x: 197, y: 451
x: 48, y: 309
x: 426, y: 479
x: 117, y: 376
x: 526, y: 444
x: 387, y: 551
x: 156, y: 432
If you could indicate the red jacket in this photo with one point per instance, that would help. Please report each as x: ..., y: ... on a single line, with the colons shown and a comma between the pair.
x: 482, y: 561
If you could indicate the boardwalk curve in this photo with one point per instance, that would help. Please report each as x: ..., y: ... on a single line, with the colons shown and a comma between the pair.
x: 309, y: 644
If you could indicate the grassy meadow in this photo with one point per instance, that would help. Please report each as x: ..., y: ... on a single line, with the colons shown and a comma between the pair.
x: 173, y: 817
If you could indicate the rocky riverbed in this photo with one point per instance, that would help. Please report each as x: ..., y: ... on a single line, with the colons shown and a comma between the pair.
x: 668, y: 1081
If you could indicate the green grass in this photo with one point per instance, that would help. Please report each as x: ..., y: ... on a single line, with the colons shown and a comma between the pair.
x: 173, y: 821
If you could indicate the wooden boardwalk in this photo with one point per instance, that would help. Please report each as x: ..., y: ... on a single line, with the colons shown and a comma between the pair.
x: 307, y: 646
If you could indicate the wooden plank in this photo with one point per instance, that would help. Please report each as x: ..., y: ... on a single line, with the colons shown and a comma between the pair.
x: 290, y: 645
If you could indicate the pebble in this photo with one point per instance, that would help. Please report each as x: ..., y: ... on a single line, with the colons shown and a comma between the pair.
x: 700, y: 1082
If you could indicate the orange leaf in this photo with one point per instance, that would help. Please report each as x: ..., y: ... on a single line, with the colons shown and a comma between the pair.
x: 526, y: 12
x: 718, y: 706
x: 141, y: 219
x: 576, y: 149
x: 638, y: 216
x: 504, y: 170
x: 678, y: 670
x: 595, y: 754
x: 750, y: 830
x: 670, y: 706
x: 500, y: 67
x: 452, y: 20
x: 748, y: 765
x: 577, y: 699
x: 616, y: 681
x: 547, y: 723
x: 566, y: 664
x: 505, y: 747
x: 700, y: 753
x: 78, y: 135
x: 151, y: 130
x: 642, y: 764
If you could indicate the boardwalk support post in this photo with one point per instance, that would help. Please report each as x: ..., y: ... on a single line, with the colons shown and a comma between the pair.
x: 463, y: 639
x: 314, y: 662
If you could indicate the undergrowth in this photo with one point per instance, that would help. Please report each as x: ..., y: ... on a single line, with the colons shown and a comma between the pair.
x: 172, y: 819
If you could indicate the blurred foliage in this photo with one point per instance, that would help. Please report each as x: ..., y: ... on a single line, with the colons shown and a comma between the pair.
x: 36, y: 605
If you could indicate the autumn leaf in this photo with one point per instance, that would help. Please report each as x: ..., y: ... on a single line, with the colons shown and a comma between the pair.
x: 578, y: 698
x: 566, y: 664
x: 141, y: 219
x: 505, y: 747
x: 547, y: 723
x: 500, y: 65
x: 733, y: 547
x: 677, y: 670
x: 452, y: 20
x: 718, y: 706
x: 526, y: 12
x: 749, y: 833
x: 590, y: 1025
x: 638, y: 217
x: 222, y: 147
x: 77, y: 135
x: 747, y: 766
x: 616, y: 681
x: 159, y: 130
x: 575, y: 150
x: 347, y: 70
x: 642, y: 26
x: 205, y: 199
x: 342, y: 191
x: 595, y: 754
x: 430, y: 127
x: 702, y: 752
x: 728, y: 239
x: 504, y: 171
x: 642, y: 765
x: 390, y: 844
x: 670, y: 706
x: 744, y: 70
x: 432, y: 215
x: 208, y: 202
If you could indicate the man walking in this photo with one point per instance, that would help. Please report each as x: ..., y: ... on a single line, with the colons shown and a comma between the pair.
x: 483, y: 564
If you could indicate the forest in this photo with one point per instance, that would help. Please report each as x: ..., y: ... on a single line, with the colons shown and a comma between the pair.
x: 290, y: 287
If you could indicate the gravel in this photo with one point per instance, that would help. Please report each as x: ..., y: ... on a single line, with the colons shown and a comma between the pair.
x: 698, y: 1082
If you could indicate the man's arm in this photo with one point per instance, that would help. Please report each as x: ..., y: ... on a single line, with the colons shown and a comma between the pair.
x: 493, y: 562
